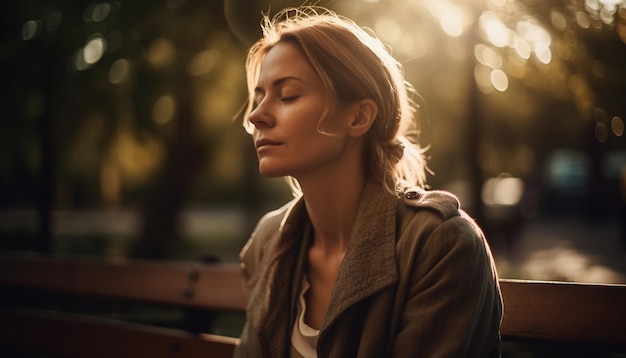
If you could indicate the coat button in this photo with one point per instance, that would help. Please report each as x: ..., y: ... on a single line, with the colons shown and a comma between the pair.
x: 411, y: 195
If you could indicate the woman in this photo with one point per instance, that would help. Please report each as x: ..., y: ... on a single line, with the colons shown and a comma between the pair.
x: 363, y: 262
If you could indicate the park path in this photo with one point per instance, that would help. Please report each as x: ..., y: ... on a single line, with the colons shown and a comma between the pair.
x: 565, y: 250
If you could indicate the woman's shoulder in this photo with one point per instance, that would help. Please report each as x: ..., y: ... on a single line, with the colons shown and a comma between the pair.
x: 273, y: 220
x: 267, y: 227
x: 437, y: 215
x: 445, y: 204
x: 434, y: 227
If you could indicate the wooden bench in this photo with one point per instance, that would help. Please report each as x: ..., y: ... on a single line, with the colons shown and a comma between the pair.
x: 580, y: 315
x: 190, y: 285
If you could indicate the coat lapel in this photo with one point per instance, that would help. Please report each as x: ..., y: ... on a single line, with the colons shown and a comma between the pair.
x: 370, y: 261
x: 368, y: 267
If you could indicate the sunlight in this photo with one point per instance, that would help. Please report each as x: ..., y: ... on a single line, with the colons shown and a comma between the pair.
x: 482, y: 75
x: 526, y: 37
x: 498, y: 3
x: 522, y: 48
x: 388, y: 30
x: 558, y: 20
x: 89, y: 55
x: 583, y: 20
x: 563, y: 262
x: 499, y: 80
x: 451, y: 24
x: 453, y: 18
x: 604, y: 10
x: 494, y: 30
x: 503, y: 190
x: 487, y: 56
x: 94, y: 49
x: 543, y: 53
x: 534, y: 32
x: 412, y: 46
x: 537, y: 37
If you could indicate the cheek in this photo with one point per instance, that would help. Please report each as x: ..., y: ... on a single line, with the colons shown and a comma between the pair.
x: 324, y: 146
x: 303, y: 124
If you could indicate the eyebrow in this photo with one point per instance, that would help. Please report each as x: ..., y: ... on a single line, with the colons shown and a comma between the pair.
x: 278, y: 82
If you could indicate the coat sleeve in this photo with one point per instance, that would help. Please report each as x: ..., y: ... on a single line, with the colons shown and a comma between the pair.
x: 251, y: 254
x: 453, y: 304
x: 251, y: 257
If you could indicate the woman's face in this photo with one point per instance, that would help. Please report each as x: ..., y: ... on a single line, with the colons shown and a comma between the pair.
x: 290, y: 100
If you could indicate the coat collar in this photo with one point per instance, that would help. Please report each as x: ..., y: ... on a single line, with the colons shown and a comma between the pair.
x: 370, y: 261
x: 368, y: 266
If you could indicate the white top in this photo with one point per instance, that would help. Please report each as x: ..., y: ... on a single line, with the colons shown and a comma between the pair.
x: 304, y: 337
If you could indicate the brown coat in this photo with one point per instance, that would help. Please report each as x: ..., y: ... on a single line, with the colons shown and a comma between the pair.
x: 417, y: 280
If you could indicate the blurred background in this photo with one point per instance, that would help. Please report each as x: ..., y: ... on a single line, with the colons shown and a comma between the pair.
x: 120, y: 133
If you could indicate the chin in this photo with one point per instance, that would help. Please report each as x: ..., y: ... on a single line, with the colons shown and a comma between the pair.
x: 273, y: 167
x: 271, y: 172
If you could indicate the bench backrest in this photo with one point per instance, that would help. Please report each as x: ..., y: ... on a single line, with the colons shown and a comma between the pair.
x: 212, y: 287
x: 567, y: 313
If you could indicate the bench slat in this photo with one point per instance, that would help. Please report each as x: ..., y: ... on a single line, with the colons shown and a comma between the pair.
x: 213, y: 287
x: 70, y: 335
x: 566, y: 312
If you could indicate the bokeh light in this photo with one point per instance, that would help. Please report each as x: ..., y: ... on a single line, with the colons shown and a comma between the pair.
x: 204, y: 62
x: 164, y: 109
x: 617, y: 125
x: 499, y: 80
x: 487, y: 56
x: 522, y: 48
x: 453, y: 17
x: 94, y: 49
x: 119, y: 70
x: 482, y: 75
x: 31, y: 29
x: 494, y: 30
x: 161, y: 53
x: 503, y: 190
x: 388, y: 30
x: 96, y: 12
x: 558, y: 20
x: 602, y: 132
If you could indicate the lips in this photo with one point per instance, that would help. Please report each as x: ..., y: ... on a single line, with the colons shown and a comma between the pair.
x: 265, y: 142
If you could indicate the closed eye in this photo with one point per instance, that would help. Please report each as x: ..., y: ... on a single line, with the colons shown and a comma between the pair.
x: 288, y: 98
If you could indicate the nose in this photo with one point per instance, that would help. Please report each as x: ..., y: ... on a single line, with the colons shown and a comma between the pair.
x: 261, y: 116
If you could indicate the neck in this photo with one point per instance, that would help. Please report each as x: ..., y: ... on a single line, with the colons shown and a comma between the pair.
x: 332, y: 206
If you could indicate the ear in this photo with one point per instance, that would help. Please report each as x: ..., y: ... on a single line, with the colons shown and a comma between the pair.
x: 363, y: 117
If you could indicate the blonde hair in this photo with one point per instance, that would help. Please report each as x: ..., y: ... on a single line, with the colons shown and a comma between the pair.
x: 353, y: 64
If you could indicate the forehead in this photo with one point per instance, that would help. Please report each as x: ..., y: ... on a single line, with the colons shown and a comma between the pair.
x: 285, y: 60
